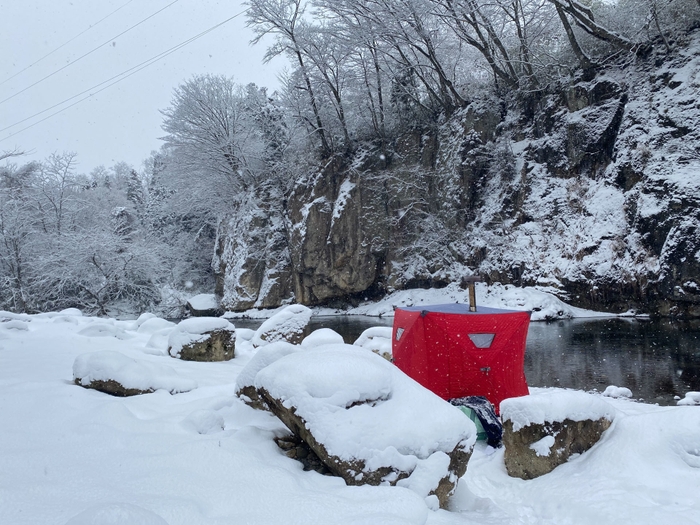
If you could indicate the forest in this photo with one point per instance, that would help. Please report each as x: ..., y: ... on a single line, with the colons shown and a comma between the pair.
x: 369, y: 84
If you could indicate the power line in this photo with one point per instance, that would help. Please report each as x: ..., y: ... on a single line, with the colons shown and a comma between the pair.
x: 88, y: 53
x: 121, y: 76
x: 65, y: 43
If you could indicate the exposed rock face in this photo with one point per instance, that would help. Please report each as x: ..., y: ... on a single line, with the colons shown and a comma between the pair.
x: 325, y: 396
x: 112, y: 387
x: 219, y: 345
x: 203, y: 339
x: 590, y: 189
x: 537, y: 449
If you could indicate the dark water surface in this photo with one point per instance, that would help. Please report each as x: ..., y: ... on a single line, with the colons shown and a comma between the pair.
x: 655, y: 359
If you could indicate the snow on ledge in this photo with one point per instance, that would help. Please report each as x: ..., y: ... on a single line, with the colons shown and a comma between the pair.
x: 109, y: 365
x: 554, y: 404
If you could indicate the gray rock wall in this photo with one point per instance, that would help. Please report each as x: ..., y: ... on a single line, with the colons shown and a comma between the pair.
x: 591, y: 189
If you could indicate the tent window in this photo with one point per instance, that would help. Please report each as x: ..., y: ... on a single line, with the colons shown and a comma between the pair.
x: 482, y: 340
x: 399, y: 333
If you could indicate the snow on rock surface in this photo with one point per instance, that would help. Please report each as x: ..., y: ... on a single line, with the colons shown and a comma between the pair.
x: 377, y: 339
x: 93, y: 369
x: 286, y: 325
x: 245, y: 383
x: 617, y: 391
x: 191, y: 339
x: 204, y: 301
x: 367, y: 420
x: 322, y: 336
x: 690, y: 399
x: 543, y: 432
x: 555, y: 405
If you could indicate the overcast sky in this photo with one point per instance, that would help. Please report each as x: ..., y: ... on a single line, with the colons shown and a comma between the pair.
x: 122, y: 122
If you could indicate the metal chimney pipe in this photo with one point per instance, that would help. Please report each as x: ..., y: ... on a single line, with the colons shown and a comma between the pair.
x: 470, y: 282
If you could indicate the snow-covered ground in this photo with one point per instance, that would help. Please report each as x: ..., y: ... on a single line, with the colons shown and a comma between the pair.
x: 73, y: 456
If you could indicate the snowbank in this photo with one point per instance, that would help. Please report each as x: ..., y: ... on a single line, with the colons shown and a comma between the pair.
x: 377, y: 339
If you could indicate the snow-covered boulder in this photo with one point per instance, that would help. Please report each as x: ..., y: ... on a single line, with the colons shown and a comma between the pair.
x: 543, y: 430
x: 204, y: 305
x: 245, y: 383
x: 203, y: 339
x: 118, y: 375
x: 377, y: 339
x: 322, y: 336
x: 690, y: 399
x: 368, y: 421
x: 286, y: 325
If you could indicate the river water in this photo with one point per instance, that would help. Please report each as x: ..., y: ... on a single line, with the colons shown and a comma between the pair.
x: 656, y: 359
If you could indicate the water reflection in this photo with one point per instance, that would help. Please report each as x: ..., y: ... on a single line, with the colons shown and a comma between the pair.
x: 656, y: 360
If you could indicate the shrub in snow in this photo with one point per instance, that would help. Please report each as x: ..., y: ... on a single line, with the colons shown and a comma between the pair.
x: 203, y: 339
x: 543, y: 430
x: 322, y: 336
x: 377, y: 339
x: 286, y: 325
x: 368, y: 421
x: 117, y: 514
x: 203, y: 305
x: 690, y: 399
x: 118, y: 375
x: 245, y: 383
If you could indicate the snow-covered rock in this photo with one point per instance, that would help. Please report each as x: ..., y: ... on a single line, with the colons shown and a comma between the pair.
x: 367, y: 421
x: 203, y: 305
x: 543, y: 431
x: 322, y: 336
x: 203, y: 339
x: 118, y: 375
x: 245, y: 383
x: 377, y: 339
x: 690, y: 399
x: 617, y: 391
x: 286, y: 325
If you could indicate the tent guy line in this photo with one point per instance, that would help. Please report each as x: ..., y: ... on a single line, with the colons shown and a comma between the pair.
x: 108, y: 41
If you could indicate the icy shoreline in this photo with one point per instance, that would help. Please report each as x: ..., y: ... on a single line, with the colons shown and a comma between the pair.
x: 544, y: 305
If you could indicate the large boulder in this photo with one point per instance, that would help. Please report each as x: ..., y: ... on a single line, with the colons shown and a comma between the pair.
x: 118, y: 375
x: 286, y: 325
x: 542, y: 431
x: 367, y: 421
x: 203, y: 339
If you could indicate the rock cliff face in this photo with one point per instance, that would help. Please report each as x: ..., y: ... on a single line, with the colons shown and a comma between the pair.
x: 590, y: 190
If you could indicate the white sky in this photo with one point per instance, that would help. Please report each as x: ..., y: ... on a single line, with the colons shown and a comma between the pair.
x: 121, y: 123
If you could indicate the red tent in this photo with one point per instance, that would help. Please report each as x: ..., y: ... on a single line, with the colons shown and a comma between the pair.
x: 457, y: 353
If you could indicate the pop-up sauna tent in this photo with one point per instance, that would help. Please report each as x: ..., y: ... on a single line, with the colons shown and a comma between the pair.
x: 456, y: 352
